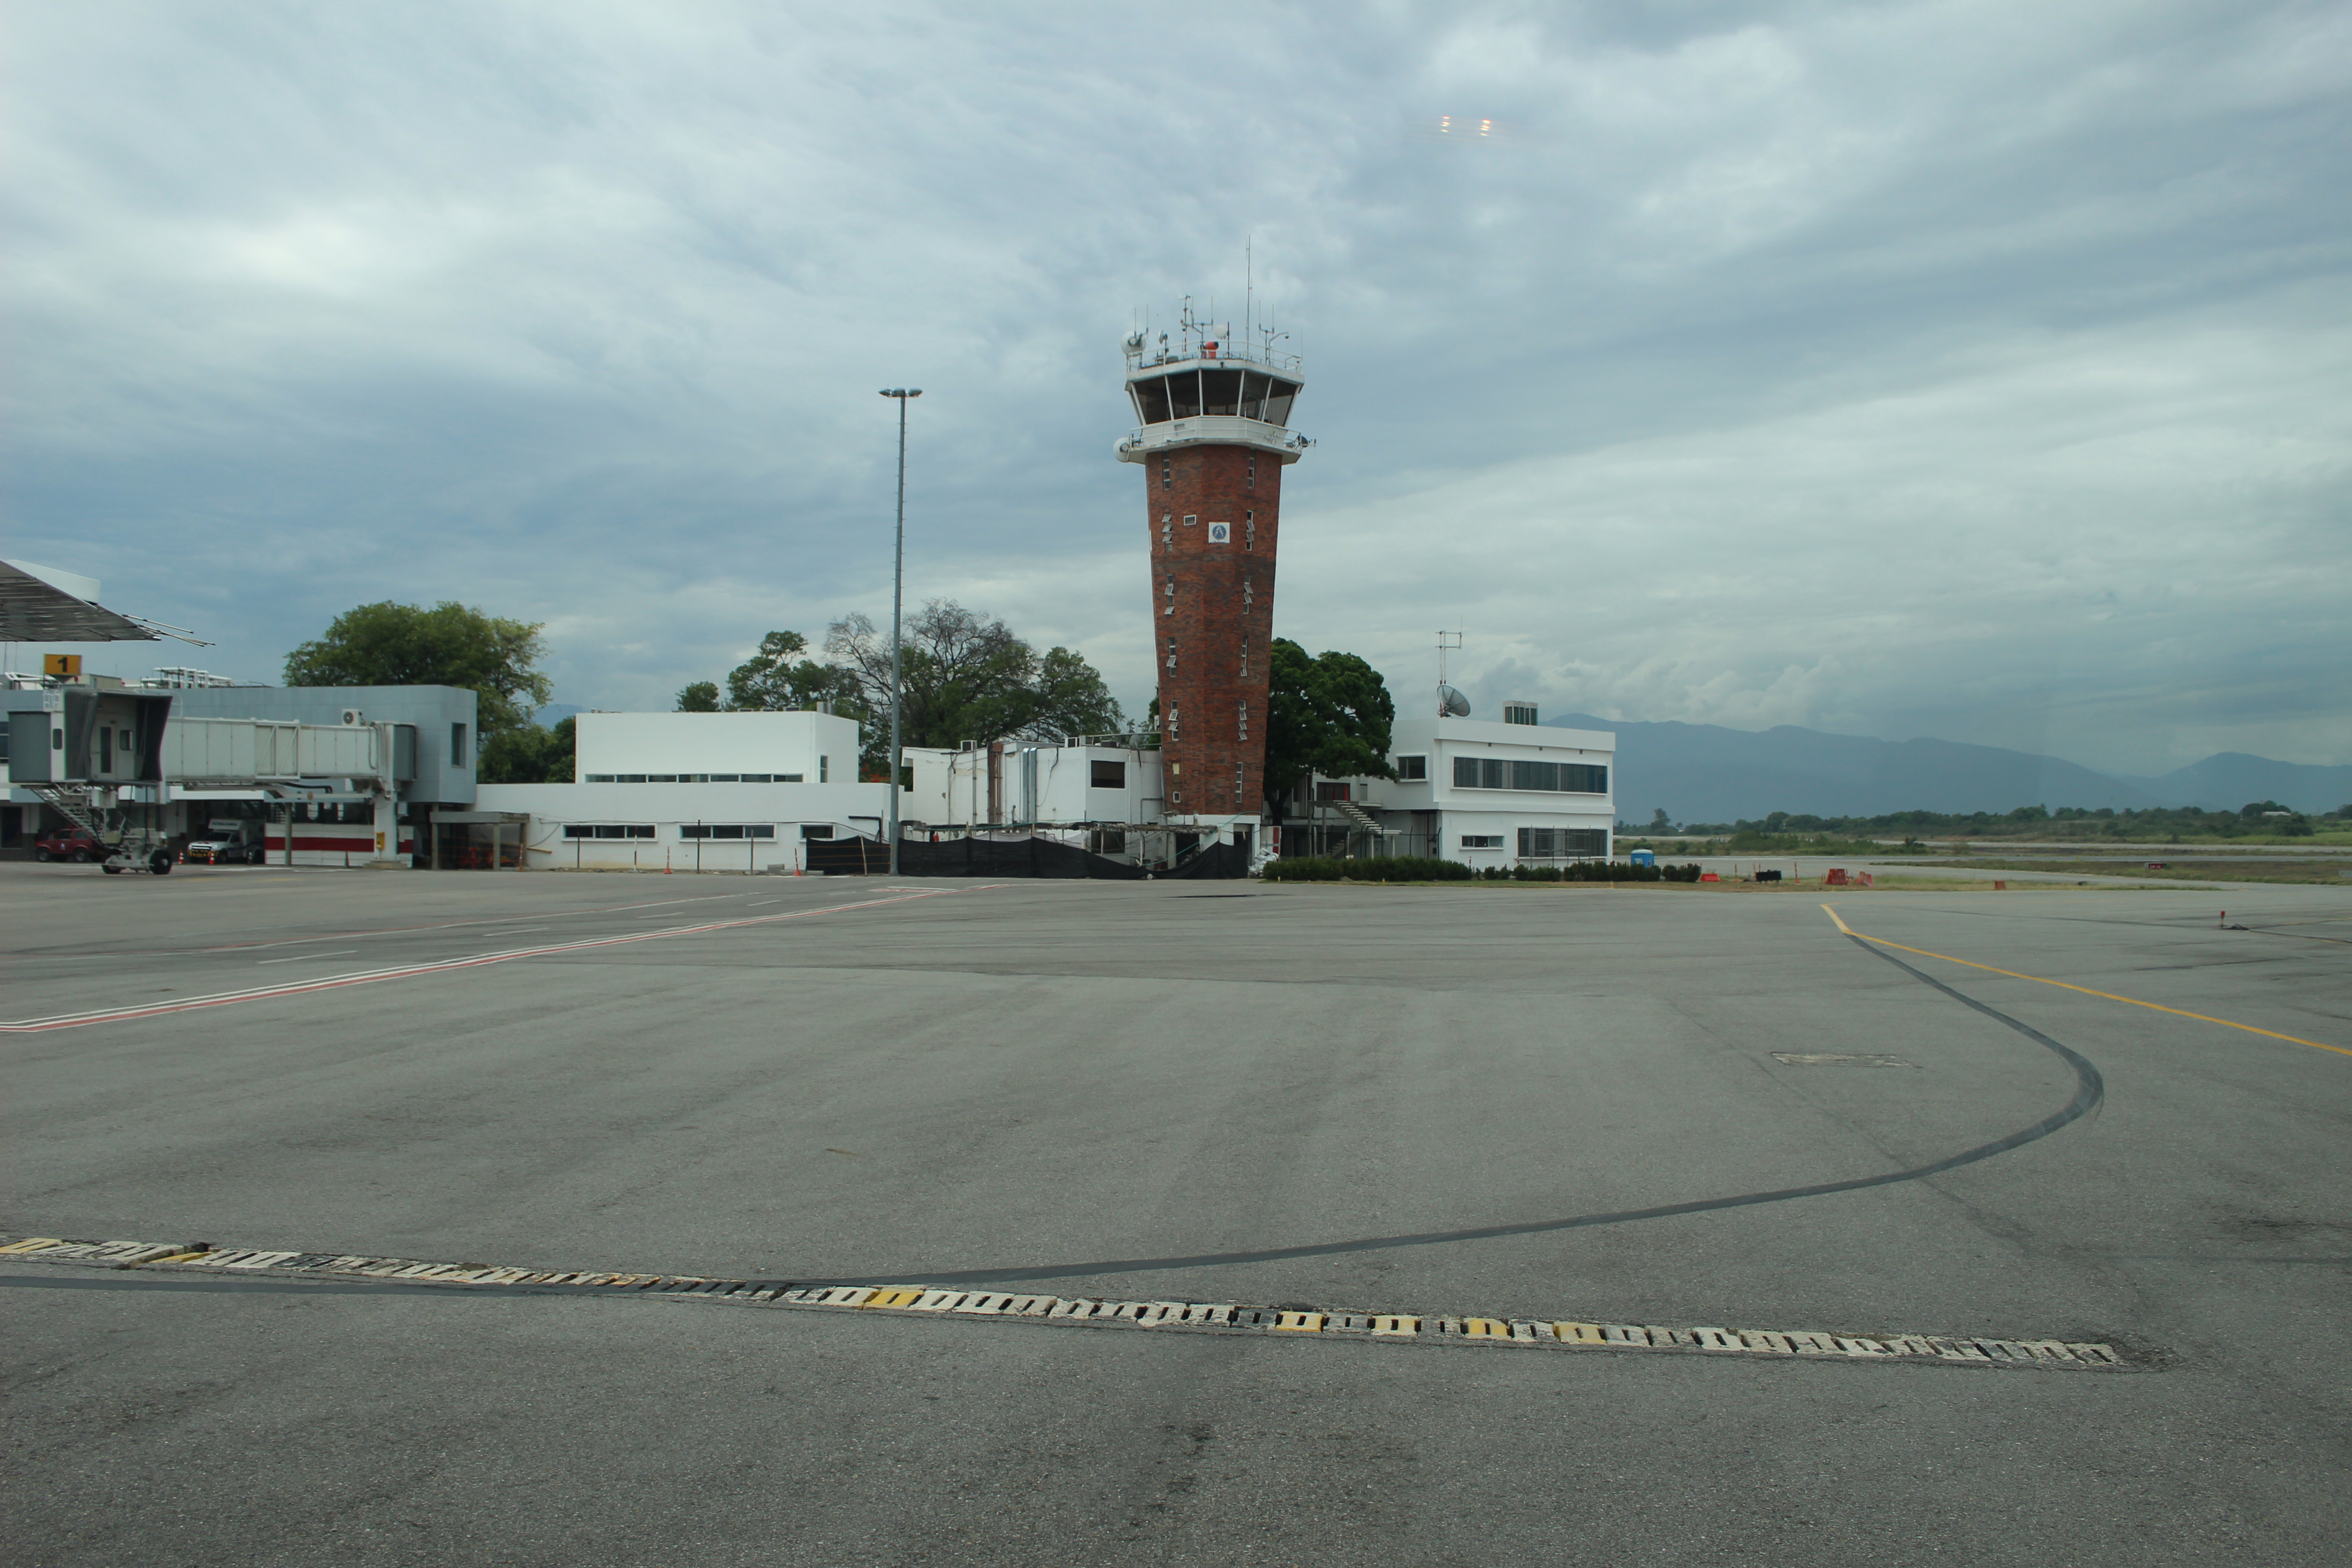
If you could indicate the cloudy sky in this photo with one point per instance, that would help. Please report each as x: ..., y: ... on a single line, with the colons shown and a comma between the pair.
x: 1977, y: 369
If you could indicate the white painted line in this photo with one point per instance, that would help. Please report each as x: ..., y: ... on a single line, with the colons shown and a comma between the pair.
x: 304, y: 957
x: 404, y: 972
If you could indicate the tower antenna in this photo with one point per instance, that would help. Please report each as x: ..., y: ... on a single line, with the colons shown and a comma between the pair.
x: 1249, y: 283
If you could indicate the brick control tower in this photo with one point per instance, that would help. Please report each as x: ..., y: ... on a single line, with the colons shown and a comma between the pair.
x: 1213, y: 441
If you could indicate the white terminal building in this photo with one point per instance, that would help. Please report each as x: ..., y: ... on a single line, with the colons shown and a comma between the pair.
x: 752, y: 791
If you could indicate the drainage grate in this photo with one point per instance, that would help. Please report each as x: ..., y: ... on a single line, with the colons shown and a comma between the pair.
x: 1193, y: 1317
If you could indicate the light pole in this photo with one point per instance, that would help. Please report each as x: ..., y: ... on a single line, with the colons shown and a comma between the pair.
x: 897, y: 597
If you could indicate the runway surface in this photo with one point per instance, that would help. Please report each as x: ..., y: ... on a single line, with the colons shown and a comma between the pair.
x: 1444, y: 1101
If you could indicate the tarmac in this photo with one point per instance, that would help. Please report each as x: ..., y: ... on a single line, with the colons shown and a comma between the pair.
x: 1456, y: 1101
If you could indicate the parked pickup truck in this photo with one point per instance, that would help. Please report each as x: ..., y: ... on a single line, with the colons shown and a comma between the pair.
x: 228, y: 841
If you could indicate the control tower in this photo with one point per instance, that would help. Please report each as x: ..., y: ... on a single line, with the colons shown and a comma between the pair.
x: 1213, y: 439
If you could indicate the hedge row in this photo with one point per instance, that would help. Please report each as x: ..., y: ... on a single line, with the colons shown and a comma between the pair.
x: 1423, y: 869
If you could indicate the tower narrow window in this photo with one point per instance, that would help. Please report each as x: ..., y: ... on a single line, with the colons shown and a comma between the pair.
x: 1171, y: 599
x: 1253, y: 471
x: 1167, y: 529
x: 1249, y: 530
x: 1167, y: 474
x: 1249, y: 594
x: 1171, y: 664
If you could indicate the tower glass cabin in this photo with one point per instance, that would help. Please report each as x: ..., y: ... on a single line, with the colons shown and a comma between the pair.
x: 1213, y: 438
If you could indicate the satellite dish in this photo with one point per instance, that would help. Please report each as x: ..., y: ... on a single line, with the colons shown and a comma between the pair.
x: 1451, y: 704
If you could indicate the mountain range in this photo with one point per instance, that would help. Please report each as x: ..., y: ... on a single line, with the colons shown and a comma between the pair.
x: 1707, y: 772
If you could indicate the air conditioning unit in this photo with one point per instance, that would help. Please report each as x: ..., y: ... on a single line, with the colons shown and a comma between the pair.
x: 354, y: 716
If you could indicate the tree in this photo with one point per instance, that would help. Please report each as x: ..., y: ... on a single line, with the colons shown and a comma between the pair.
x: 1330, y: 714
x: 449, y: 645
x: 530, y: 755
x: 769, y: 681
x: 964, y: 678
x: 699, y: 697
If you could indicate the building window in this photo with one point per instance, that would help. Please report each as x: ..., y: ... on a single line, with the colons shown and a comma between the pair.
x: 1327, y: 789
x: 1192, y: 520
x: 1498, y: 772
x: 1252, y: 471
x: 785, y: 778
x: 1561, y: 842
x: 598, y: 778
x: 607, y: 830
x: 816, y: 830
x: 1171, y: 653
x: 1412, y: 770
x: 1103, y: 773
x: 726, y: 830
x: 720, y: 778
x: 1167, y: 477
x: 456, y: 745
x: 1249, y: 530
x: 1518, y: 712
x: 1482, y: 841
x: 824, y: 769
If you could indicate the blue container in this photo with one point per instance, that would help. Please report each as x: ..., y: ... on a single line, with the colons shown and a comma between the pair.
x: 1645, y: 858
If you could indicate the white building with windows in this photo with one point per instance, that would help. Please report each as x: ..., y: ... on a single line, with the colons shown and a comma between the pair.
x: 713, y: 792
x: 1485, y: 794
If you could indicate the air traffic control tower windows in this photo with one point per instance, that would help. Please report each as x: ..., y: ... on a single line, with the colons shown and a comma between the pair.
x: 1188, y: 394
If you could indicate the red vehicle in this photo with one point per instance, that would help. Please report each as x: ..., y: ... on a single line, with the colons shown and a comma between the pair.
x: 73, y: 844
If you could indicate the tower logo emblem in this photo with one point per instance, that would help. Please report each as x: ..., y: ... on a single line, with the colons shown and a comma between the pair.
x: 1221, y: 533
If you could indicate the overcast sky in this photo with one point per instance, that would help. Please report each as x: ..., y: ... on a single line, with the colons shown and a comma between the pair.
x: 1980, y: 369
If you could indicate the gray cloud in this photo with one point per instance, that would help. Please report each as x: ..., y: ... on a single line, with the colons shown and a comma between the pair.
x: 1976, y: 370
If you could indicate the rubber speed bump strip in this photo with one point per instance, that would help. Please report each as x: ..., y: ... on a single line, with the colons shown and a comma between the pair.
x: 1200, y: 1317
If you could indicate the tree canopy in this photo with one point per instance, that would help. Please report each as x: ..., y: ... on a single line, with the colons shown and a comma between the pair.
x: 965, y: 678
x: 771, y: 680
x: 530, y: 755
x: 1329, y: 714
x: 449, y: 645
x: 699, y: 697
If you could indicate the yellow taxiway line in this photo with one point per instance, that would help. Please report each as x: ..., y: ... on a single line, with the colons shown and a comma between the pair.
x: 2066, y: 985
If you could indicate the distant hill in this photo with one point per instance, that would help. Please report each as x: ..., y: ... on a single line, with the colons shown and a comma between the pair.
x: 1706, y: 773
x: 2228, y: 780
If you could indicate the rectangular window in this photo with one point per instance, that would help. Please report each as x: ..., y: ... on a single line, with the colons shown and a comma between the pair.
x: 1220, y: 391
x: 1167, y: 480
x: 724, y: 830
x: 1278, y: 402
x: 1497, y: 773
x: 1253, y: 401
x: 1518, y: 712
x: 788, y: 778
x: 456, y: 745
x: 628, y: 778
x: 1482, y: 841
x: 1412, y: 770
x: 1184, y: 395
x: 1151, y: 401
x: 816, y: 830
x: 599, y: 778
x: 758, y: 778
x: 1103, y: 774
x: 607, y: 830
x: 1325, y: 789
x: 1561, y: 842
x: 721, y: 778
x: 824, y: 769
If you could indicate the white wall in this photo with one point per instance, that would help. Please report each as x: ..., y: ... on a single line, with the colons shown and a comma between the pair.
x: 666, y: 808
x: 671, y: 743
x: 1042, y: 782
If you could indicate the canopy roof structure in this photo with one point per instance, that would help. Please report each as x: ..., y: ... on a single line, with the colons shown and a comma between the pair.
x: 41, y: 603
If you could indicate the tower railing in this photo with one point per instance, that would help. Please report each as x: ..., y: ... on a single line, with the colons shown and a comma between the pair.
x: 1148, y: 358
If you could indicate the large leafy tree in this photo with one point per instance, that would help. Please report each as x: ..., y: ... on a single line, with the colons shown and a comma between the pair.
x: 699, y: 697
x: 1329, y: 714
x: 448, y: 645
x: 966, y: 678
x: 530, y: 755
x: 773, y: 679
